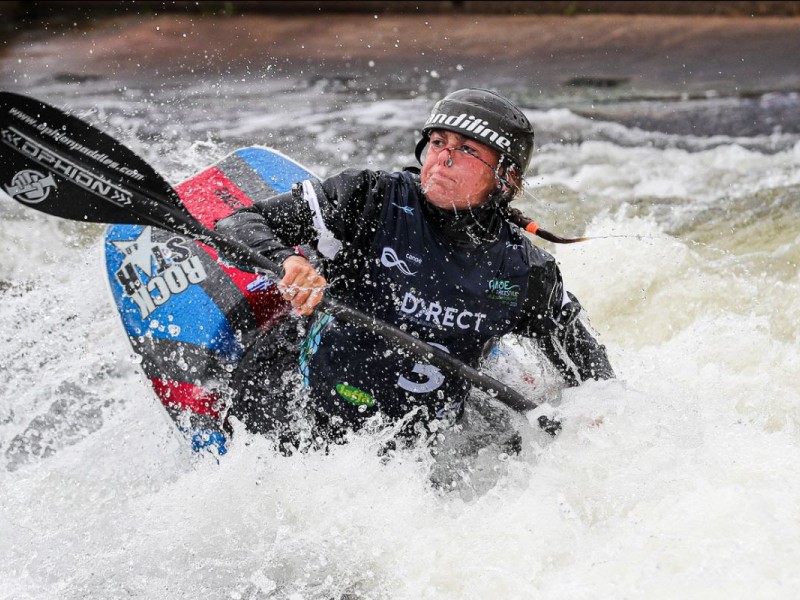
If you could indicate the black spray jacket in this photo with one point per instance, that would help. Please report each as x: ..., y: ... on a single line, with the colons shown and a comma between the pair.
x: 455, y: 280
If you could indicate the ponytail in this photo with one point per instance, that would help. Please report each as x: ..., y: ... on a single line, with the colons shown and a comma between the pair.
x: 509, y: 185
x: 515, y: 216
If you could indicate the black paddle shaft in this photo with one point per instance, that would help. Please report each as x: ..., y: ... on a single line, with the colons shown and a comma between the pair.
x: 58, y: 164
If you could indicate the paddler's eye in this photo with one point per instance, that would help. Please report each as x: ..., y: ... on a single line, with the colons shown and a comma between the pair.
x: 468, y: 150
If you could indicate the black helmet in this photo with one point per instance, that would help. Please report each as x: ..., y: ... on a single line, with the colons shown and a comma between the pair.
x: 485, y: 117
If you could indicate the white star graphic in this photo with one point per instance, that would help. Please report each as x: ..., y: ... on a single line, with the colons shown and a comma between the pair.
x: 138, y: 252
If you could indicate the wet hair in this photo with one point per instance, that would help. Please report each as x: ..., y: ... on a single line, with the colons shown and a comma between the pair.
x: 510, y: 184
x: 515, y: 216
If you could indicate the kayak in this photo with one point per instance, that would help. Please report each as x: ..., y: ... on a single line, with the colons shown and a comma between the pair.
x: 190, y: 316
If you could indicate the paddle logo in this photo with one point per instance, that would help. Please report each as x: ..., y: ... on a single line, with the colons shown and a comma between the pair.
x: 30, y: 187
x: 153, y: 272
x: 67, y: 168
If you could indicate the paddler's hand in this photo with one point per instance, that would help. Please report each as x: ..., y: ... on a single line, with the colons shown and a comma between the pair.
x: 301, y: 285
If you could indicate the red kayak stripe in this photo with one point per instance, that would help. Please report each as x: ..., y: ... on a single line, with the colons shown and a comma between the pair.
x: 211, y: 195
x: 185, y: 396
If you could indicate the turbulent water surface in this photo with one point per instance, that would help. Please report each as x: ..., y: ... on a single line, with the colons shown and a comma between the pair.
x: 679, y: 479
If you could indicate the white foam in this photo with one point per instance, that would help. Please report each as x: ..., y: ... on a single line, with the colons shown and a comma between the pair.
x: 678, y: 480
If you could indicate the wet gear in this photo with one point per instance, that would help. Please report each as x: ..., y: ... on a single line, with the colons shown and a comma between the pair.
x: 456, y: 278
x: 456, y: 297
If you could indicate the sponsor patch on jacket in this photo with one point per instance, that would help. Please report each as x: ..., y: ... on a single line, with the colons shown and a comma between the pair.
x: 354, y: 395
x: 503, y: 291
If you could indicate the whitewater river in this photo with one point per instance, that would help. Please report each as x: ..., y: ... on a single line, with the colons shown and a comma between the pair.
x: 681, y: 479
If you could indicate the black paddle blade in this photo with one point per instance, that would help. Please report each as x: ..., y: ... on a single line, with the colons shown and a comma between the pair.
x: 56, y: 163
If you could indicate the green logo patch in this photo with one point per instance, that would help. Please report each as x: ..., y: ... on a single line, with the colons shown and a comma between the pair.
x: 502, y: 290
x: 354, y: 395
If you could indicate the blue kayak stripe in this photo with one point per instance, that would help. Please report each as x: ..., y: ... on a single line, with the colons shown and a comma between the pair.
x: 191, y: 317
x: 278, y: 171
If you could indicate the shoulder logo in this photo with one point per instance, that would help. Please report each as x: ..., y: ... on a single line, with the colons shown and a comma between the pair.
x: 409, y: 210
x: 390, y: 259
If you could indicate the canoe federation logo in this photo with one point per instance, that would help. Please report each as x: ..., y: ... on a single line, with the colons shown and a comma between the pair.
x: 30, y: 186
x: 152, y: 272
x: 390, y: 259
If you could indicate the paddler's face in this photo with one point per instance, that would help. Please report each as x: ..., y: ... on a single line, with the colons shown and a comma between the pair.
x: 457, y: 173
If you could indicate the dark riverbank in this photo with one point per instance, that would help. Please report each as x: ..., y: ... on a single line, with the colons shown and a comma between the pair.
x: 602, y: 57
x: 672, y: 73
x: 41, y: 9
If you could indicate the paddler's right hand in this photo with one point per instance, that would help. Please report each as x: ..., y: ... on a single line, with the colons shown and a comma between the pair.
x: 301, y: 285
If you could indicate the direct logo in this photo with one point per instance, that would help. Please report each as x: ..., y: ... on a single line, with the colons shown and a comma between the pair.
x: 354, y: 396
x: 30, y: 187
x: 153, y: 272
x: 503, y: 290
x: 390, y: 259
x: 433, y: 313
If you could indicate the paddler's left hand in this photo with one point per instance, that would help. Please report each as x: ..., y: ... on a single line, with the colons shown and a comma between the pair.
x: 301, y: 285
